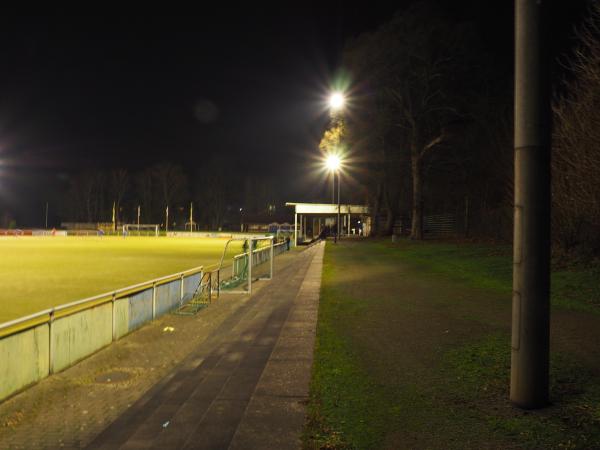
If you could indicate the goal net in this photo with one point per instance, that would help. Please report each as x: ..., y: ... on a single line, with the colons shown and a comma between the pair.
x: 133, y: 229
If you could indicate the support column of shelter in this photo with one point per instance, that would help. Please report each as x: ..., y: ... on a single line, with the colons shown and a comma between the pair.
x: 295, y: 229
x: 324, y: 212
x: 305, y: 228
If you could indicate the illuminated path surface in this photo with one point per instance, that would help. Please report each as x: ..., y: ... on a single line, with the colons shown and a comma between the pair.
x: 246, y: 386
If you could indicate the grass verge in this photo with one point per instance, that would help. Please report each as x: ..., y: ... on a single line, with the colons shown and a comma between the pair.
x: 574, y: 287
x: 413, y: 351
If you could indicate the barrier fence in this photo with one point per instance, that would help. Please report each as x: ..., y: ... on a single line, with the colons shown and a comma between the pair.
x: 259, y: 256
x: 51, y: 340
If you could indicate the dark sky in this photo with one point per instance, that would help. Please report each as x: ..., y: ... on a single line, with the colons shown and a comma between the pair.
x: 111, y: 90
x: 245, y: 85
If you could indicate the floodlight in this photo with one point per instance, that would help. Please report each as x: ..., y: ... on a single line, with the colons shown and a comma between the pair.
x: 333, y: 162
x: 336, y: 101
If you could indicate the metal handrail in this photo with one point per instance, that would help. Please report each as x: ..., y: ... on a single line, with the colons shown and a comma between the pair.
x: 45, y: 316
x: 67, y: 309
x: 258, y: 250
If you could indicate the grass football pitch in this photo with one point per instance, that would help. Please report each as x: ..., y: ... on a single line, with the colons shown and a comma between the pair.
x: 37, y: 273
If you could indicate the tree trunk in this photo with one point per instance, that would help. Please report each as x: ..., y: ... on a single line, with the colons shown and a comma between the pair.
x: 377, y: 209
x: 416, y: 231
x: 391, y: 216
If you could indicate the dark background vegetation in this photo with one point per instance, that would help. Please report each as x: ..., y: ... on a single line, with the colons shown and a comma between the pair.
x: 227, y: 110
x: 431, y: 122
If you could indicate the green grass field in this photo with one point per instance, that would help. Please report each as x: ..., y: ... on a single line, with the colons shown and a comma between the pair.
x: 413, y: 351
x: 40, y: 272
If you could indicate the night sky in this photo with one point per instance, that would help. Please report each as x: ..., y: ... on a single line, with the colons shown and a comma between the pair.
x: 244, y: 85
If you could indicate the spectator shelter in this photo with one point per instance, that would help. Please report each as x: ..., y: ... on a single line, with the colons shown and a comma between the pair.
x: 312, y: 220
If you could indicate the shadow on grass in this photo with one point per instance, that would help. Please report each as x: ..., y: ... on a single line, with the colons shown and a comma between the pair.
x: 375, y: 386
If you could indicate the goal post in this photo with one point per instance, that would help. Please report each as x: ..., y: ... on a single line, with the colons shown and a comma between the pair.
x: 255, y: 263
x: 140, y: 229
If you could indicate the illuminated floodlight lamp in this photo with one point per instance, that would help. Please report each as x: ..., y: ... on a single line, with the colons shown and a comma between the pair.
x: 337, y: 101
x: 333, y: 162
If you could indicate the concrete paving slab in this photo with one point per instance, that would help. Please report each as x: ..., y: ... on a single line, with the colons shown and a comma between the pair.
x: 271, y: 423
x: 293, y: 348
x: 289, y: 377
x: 207, y: 385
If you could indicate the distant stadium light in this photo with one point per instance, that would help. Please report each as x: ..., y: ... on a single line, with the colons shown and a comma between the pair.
x: 333, y: 163
x: 337, y: 101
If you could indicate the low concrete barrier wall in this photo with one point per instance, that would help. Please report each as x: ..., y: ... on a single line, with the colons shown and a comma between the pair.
x: 123, y: 316
x: 79, y: 335
x: 33, y: 347
x: 24, y: 359
x: 139, y: 310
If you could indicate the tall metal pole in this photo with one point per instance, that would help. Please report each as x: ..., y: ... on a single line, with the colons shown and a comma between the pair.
x: 338, y: 211
x: 114, y: 216
x: 531, y: 248
x: 46, y: 216
x: 332, y: 187
x: 167, y: 219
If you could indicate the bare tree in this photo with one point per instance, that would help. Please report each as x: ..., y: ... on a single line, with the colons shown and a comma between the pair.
x: 429, y: 59
x: 87, y: 196
x: 171, y: 183
x: 211, y: 193
x: 144, y: 183
x: 119, y: 184
x: 576, y: 150
x: 414, y: 64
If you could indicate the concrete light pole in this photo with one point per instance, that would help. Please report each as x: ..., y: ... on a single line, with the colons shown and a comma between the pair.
x: 531, y: 253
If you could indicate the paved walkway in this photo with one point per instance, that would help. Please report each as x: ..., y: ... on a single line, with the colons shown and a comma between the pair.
x: 244, y: 385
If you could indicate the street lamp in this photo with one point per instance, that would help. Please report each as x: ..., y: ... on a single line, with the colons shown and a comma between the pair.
x: 333, y: 163
x: 336, y: 101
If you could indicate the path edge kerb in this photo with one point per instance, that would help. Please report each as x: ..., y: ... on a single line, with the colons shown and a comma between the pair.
x: 276, y: 412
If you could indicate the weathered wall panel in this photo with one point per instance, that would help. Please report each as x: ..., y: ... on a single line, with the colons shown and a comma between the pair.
x: 23, y: 359
x: 79, y: 335
x: 140, y: 309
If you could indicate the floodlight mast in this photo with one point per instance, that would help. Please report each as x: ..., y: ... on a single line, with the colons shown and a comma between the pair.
x: 529, y: 385
x: 339, y: 177
x: 333, y: 163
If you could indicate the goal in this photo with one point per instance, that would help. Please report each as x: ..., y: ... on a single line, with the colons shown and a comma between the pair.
x: 135, y: 229
x: 255, y: 263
